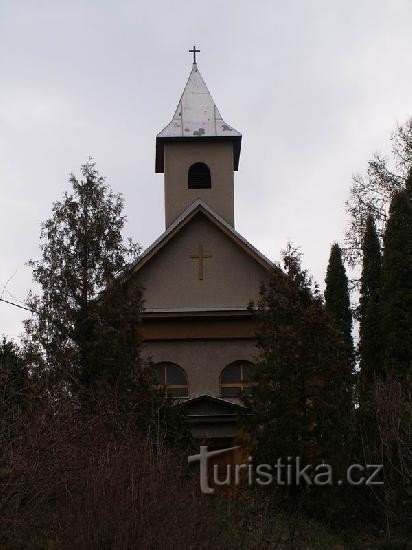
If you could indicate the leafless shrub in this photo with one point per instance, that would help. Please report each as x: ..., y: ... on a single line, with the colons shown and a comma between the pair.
x: 73, y: 482
x: 388, y: 441
x: 372, y: 192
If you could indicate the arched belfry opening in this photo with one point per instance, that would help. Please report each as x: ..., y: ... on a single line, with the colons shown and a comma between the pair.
x: 198, y: 176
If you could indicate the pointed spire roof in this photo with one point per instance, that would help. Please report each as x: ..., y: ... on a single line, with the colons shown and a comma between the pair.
x: 196, y: 113
x: 196, y: 118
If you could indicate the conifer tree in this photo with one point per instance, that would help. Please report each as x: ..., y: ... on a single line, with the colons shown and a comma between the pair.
x: 83, y: 339
x: 298, y: 398
x: 13, y: 378
x: 337, y: 304
x: 370, y: 331
x: 397, y: 287
x: 337, y: 295
x: 82, y: 252
x: 16, y: 393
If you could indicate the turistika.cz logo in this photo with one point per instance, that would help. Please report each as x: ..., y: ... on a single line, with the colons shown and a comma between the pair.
x: 289, y: 471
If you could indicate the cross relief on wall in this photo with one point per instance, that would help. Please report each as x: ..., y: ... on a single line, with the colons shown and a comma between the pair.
x: 201, y: 256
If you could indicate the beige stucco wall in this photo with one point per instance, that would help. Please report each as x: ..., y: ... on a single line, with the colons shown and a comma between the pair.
x: 231, y: 276
x: 178, y: 158
x: 203, y: 361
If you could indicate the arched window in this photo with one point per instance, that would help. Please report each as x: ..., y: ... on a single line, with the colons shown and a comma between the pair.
x: 237, y: 378
x: 172, y: 378
x: 198, y: 176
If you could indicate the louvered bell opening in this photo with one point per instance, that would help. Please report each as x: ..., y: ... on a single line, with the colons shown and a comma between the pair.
x: 199, y: 176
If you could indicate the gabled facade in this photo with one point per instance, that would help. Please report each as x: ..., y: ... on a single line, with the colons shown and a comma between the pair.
x: 200, y: 275
x: 196, y: 316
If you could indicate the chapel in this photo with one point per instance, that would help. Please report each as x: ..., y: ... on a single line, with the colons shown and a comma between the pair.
x: 200, y: 275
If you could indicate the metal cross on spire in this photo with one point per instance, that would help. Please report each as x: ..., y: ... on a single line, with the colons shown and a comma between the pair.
x: 194, y: 52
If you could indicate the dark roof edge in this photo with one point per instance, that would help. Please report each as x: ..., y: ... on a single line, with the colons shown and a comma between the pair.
x: 160, y: 142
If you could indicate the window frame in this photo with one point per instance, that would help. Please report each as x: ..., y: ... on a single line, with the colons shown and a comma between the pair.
x: 167, y: 387
x: 242, y: 385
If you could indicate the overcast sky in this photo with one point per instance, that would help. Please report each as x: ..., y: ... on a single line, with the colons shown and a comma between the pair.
x: 315, y: 87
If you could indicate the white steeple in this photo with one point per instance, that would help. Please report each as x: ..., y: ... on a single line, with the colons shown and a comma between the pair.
x: 197, y: 119
x: 196, y: 114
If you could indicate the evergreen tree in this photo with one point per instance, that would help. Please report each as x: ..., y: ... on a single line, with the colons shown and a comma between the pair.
x: 298, y: 397
x: 337, y: 303
x: 82, y: 252
x: 84, y: 335
x: 13, y: 379
x: 337, y: 295
x: 397, y: 287
x: 109, y: 345
x: 17, y: 396
x: 370, y: 332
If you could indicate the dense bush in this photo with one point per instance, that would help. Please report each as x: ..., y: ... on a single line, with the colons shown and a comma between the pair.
x: 76, y: 481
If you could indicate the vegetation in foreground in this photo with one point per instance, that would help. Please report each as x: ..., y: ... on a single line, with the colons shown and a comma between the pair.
x: 94, y: 457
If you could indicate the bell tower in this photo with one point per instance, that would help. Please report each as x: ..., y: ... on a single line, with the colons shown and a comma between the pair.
x: 198, y: 153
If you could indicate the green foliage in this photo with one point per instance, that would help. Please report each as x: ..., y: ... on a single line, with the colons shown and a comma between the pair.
x: 337, y: 304
x: 397, y: 288
x: 82, y: 251
x: 370, y: 330
x: 109, y: 342
x: 298, y: 398
x: 83, y: 340
x: 13, y: 379
x: 337, y: 299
